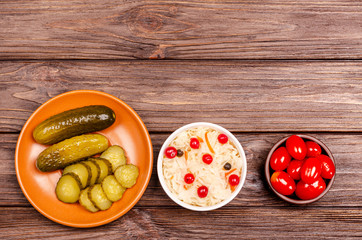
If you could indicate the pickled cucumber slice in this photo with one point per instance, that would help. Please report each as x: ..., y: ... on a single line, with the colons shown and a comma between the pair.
x: 127, y: 175
x: 105, y: 167
x: 68, y: 188
x: 83, y: 171
x: 116, y: 155
x: 85, y: 202
x: 70, y: 151
x: 111, y: 187
x: 98, y: 197
x: 95, y: 170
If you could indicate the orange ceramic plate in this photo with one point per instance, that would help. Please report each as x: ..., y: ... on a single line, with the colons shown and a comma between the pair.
x: 128, y: 131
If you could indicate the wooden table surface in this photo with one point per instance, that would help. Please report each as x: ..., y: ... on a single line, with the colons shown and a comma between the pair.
x: 263, y: 69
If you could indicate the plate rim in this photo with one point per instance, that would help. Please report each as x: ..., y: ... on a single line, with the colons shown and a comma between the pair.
x: 106, y: 220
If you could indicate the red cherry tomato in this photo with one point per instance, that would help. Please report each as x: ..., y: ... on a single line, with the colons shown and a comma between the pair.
x: 234, y: 180
x: 170, y: 152
x: 282, y: 183
x: 294, y: 169
x: 280, y: 159
x: 207, y: 158
x: 296, y: 147
x: 222, y: 138
x: 202, y: 191
x: 307, y: 191
x: 194, y: 143
x: 313, y: 149
x: 189, y: 178
x: 310, y: 170
x: 328, y: 168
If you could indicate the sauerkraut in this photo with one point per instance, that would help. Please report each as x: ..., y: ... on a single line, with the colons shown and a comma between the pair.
x: 214, y: 176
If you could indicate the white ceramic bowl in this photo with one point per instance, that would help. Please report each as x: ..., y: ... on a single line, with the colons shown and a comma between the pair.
x: 167, y: 143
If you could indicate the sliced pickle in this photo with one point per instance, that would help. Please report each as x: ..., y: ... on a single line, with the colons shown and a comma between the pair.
x: 68, y: 188
x: 116, y: 155
x: 112, y: 188
x: 98, y: 197
x: 95, y: 170
x: 83, y: 171
x: 127, y: 175
x: 85, y: 202
x: 105, y: 168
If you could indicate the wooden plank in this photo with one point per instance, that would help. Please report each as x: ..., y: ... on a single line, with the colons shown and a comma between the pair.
x: 252, y: 96
x: 254, y: 29
x: 346, y: 191
x: 169, y: 223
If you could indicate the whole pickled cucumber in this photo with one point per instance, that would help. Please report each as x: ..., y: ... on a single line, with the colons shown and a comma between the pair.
x: 70, y: 151
x: 73, y: 123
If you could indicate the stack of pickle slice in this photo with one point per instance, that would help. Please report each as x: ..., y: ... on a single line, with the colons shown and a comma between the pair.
x: 97, y: 182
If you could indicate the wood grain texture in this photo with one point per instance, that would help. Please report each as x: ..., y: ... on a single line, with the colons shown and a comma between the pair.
x: 253, y: 96
x: 345, y: 192
x: 264, y: 96
x: 150, y: 223
x: 162, y: 29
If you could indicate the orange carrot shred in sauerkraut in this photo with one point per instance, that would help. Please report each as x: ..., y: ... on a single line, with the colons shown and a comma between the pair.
x: 232, y: 170
x: 208, y: 143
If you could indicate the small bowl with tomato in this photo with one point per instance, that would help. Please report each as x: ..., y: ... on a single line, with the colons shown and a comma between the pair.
x: 300, y: 169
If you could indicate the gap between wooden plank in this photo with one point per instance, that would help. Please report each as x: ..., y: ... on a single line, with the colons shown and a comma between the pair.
x: 253, y: 132
x: 183, y: 60
x: 181, y: 29
x: 301, y: 207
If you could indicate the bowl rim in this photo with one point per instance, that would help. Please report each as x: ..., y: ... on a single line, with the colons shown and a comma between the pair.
x: 288, y: 199
x: 160, y: 161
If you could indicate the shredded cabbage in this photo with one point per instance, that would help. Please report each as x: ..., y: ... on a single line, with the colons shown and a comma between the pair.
x: 212, y: 176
